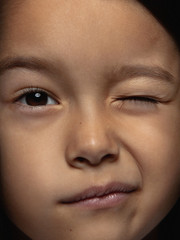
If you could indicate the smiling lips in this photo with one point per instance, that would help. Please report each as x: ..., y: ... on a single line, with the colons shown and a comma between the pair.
x: 98, y: 197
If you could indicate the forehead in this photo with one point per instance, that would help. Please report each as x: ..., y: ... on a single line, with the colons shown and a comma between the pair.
x: 89, y: 16
x: 87, y: 30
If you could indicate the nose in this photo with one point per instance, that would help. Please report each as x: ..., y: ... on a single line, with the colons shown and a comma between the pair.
x: 91, y: 143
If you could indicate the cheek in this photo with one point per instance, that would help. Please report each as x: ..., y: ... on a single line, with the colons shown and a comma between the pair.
x: 158, y: 150
x: 31, y: 178
x: 154, y: 140
x: 158, y: 155
x: 154, y: 145
x: 159, y: 159
x: 163, y: 153
x: 29, y: 162
x: 30, y: 172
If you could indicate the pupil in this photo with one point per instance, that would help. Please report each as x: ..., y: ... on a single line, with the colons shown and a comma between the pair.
x: 36, y: 99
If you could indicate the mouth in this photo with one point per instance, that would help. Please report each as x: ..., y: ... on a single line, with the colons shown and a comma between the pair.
x: 98, y: 197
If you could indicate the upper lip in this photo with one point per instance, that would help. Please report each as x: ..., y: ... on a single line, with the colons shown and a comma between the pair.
x: 100, y: 191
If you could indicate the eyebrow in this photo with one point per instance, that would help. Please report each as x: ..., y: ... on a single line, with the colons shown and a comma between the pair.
x: 135, y: 71
x: 31, y: 63
x: 117, y: 74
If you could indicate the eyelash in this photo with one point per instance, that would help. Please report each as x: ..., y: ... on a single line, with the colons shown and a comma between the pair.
x: 22, y: 99
x: 143, y: 99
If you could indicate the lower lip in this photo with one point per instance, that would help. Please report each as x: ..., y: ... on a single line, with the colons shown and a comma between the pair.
x: 107, y: 201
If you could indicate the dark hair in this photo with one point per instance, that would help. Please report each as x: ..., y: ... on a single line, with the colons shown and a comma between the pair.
x: 167, y: 13
x: 169, y: 227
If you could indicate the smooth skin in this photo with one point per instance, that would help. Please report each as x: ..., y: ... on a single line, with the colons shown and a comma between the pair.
x: 111, y: 74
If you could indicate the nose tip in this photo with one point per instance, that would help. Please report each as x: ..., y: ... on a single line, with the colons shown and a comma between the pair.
x: 91, y: 149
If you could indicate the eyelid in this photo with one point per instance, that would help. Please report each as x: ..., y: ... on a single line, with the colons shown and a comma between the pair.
x: 136, y: 104
x: 139, y: 98
x: 145, y: 99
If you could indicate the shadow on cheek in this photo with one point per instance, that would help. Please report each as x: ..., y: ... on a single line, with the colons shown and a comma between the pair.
x: 8, y: 231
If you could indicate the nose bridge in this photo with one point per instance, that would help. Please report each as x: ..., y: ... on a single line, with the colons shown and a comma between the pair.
x: 93, y: 126
x: 91, y: 119
x: 92, y: 130
x: 91, y: 140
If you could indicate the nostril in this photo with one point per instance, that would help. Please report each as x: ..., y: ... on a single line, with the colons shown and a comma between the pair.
x: 110, y: 157
x: 80, y: 159
x: 107, y: 157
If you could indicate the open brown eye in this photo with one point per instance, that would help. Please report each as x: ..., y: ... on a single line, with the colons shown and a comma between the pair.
x: 36, y: 98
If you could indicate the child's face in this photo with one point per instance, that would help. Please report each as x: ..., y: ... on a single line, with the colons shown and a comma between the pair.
x: 110, y: 114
